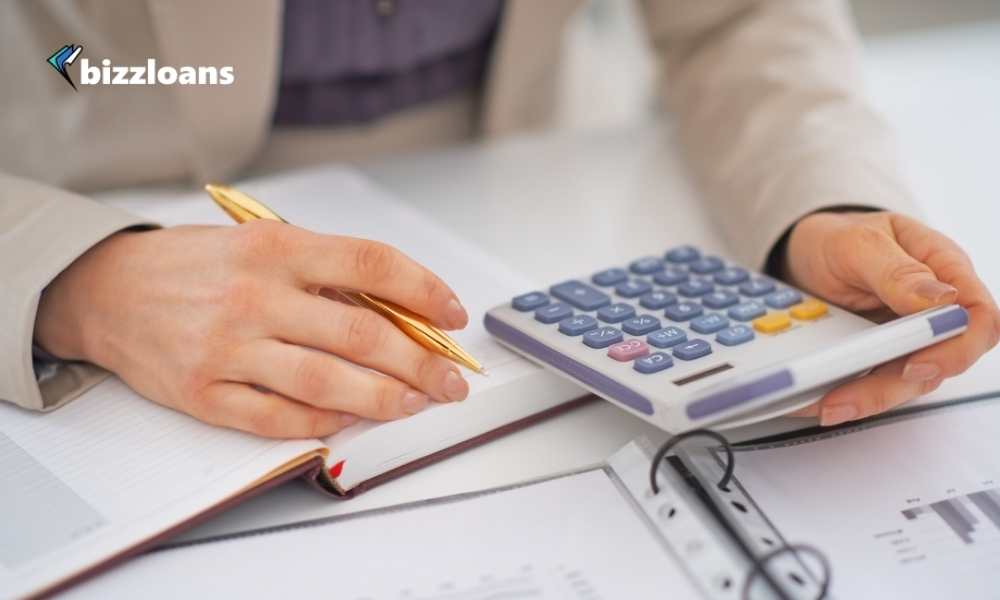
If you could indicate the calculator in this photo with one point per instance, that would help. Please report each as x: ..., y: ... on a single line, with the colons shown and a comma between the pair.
x: 686, y: 339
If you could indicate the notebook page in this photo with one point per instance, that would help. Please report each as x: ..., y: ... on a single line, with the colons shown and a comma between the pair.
x: 338, y: 200
x: 109, y: 470
x: 910, y: 505
x: 576, y: 537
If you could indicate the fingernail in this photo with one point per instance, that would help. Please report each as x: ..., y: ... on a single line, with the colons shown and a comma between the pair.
x: 455, y: 387
x: 936, y: 292
x: 917, y: 372
x: 414, y: 402
x: 833, y: 415
x: 456, y: 315
x: 348, y: 420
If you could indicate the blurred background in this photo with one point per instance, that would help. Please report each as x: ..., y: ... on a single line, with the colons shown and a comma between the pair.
x: 608, y: 75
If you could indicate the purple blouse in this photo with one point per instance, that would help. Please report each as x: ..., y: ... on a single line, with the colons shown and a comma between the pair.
x: 353, y: 61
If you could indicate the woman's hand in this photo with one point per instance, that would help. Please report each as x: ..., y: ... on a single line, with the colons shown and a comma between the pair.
x: 226, y: 324
x: 867, y: 261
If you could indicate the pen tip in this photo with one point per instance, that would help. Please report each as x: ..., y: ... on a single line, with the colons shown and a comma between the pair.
x: 484, y: 372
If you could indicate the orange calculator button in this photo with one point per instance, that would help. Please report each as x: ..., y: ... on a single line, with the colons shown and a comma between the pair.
x: 772, y: 322
x: 808, y: 310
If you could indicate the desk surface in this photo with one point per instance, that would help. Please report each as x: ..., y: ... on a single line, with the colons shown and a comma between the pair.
x: 938, y: 90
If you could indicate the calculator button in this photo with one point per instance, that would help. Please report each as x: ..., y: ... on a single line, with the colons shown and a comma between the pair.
x: 682, y: 311
x: 667, y: 337
x: 609, y: 276
x: 553, y: 312
x: 646, y: 265
x: 628, y: 350
x: 757, y: 287
x: 653, y: 363
x: 683, y: 254
x: 670, y: 276
x: 529, y: 301
x: 809, y: 310
x: 602, y: 337
x: 577, y: 324
x: 695, y: 287
x: 735, y: 335
x: 731, y: 276
x: 707, y: 264
x: 772, y: 323
x: 641, y: 325
x: 656, y: 300
x: 747, y: 310
x: 783, y: 298
x: 616, y: 313
x: 720, y: 299
x: 692, y: 350
x: 580, y: 295
x: 709, y: 323
x: 631, y: 289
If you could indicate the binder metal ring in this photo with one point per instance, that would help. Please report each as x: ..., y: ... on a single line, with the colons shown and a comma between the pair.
x: 673, y: 441
x: 760, y: 563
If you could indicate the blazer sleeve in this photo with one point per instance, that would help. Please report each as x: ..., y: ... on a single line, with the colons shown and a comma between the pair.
x: 772, y: 122
x: 42, y: 230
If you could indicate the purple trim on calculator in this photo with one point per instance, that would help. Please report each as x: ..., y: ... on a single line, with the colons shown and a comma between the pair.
x: 945, y: 322
x: 600, y: 382
x: 740, y: 394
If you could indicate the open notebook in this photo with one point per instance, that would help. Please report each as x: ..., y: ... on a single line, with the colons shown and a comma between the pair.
x: 111, y: 472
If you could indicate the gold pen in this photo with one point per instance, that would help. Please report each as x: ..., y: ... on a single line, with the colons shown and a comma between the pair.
x: 243, y: 208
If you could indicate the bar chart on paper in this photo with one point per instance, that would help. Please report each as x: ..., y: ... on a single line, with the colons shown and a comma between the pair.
x: 915, y: 501
x: 959, y: 514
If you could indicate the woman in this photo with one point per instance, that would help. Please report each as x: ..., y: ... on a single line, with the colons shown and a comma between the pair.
x: 771, y: 121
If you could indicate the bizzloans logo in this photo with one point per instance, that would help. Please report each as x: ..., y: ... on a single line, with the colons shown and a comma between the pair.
x: 148, y: 74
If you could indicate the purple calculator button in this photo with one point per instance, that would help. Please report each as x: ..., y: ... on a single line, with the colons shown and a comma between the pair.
x: 616, y: 313
x: 720, y: 299
x: 707, y: 264
x: 646, y: 265
x: 709, y: 323
x: 657, y: 299
x: 653, y: 363
x: 628, y: 350
x: 580, y: 295
x: 731, y: 276
x: 757, y: 287
x: 641, y: 325
x: 611, y: 276
x: 692, y: 349
x: 747, y: 311
x: 783, y: 298
x: 577, y: 325
x: 695, y: 287
x: 631, y: 289
x: 682, y: 311
x: 529, y: 301
x: 667, y: 337
x: 602, y: 337
x: 552, y: 313
x: 670, y: 276
x: 683, y: 254
x: 735, y: 335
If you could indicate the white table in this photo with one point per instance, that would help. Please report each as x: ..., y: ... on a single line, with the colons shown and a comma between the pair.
x: 619, y: 193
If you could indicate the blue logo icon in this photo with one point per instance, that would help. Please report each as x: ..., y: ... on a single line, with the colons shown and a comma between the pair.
x: 63, y: 58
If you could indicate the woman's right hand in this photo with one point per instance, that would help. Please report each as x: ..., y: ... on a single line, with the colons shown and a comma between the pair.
x: 226, y: 324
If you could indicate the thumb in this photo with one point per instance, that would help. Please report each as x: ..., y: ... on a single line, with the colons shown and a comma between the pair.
x: 901, y: 282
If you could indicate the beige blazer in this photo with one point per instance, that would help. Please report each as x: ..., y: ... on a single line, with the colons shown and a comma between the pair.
x: 766, y: 92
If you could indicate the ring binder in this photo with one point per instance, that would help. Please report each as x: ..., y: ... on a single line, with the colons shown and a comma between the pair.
x: 758, y: 562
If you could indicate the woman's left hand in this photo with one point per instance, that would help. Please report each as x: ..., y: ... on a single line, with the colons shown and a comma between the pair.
x: 864, y: 261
